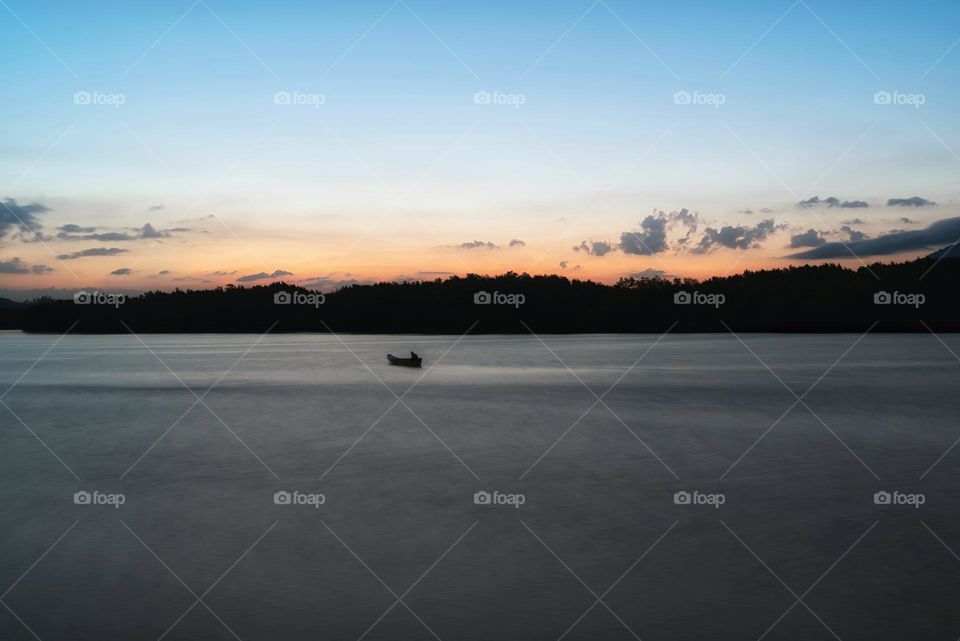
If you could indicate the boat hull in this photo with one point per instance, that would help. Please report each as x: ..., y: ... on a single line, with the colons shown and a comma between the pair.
x: 404, y: 362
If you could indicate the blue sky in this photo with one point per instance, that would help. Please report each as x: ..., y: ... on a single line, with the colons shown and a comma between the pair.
x: 399, y: 165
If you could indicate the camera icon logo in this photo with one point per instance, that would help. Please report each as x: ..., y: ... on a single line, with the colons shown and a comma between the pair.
x: 81, y: 498
x: 282, y: 298
x: 882, y: 298
x: 82, y: 298
x: 81, y: 98
x: 682, y: 98
x: 682, y: 298
x: 482, y: 498
x: 882, y: 98
x: 281, y: 498
x: 881, y: 498
x: 482, y: 298
x: 681, y: 498
x: 281, y: 98
x: 482, y: 98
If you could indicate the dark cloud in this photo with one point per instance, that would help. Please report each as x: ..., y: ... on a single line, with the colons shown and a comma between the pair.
x: 563, y: 264
x: 832, y: 201
x: 906, y: 221
x: 22, y: 218
x: 651, y: 273
x: 939, y: 233
x: 913, y: 201
x: 516, y: 242
x: 736, y: 237
x: 249, y: 278
x: 110, y: 236
x: 594, y: 248
x: 853, y: 221
x: 70, y: 228
x: 809, y: 238
x: 651, y: 239
x: 477, y: 244
x: 148, y: 231
x: 94, y: 251
x: 222, y: 273
x: 853, y: 234
x: 13, y: 266
x: 17, y: 266
x: 157, y: 207
x: 123, y: 271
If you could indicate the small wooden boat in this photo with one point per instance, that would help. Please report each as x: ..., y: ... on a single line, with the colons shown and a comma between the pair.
x: 412, y: 361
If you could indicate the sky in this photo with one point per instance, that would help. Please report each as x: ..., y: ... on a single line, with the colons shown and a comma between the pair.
x: 196, y: 143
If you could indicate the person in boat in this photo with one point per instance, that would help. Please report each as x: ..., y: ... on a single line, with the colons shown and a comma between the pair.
x: 414, y: 356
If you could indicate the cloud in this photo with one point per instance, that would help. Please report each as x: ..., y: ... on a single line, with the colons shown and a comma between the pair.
x: 651, y: 273
x: 651, y: 239
x: 17, y: 266
x: 906, y: 221
x: 249, y: 278
x: 736, y: 237
x: 594, y: 248
x: 76, y: 232
x: 853, y: 221
x: 563, y: 264
x: 148, y: 231
x: 123, y: 271
x: 853, y: 234
x: 111, y: 236
x: 516, y: 242
x: 832, y: 201
x: 13, y: 266
x: 156, y: 207
x: 222, y: 273
x: 809, y: 238
x: 913, y: 201
x: 94, y: 251
x: 14, y: 216
x: 477, y: 244
x: 70, y: 228
x: 941, y: 232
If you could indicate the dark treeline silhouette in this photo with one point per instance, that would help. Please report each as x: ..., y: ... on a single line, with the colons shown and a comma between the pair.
x: 825, y: 298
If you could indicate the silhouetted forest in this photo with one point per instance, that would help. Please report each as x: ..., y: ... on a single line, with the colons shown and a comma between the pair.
x: 825, y: 298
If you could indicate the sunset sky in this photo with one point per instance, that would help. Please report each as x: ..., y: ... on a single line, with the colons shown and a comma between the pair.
x: 189, y: 144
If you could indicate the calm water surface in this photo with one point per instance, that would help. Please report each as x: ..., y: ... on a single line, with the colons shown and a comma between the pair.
x: 399, y: 550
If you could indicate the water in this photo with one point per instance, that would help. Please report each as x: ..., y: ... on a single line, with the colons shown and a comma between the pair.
x: 306, y: 413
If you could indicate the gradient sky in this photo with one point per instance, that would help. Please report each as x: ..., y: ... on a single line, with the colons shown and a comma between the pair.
x: 400, y: 166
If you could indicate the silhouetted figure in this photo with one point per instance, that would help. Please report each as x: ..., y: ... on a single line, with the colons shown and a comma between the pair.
x: 414, y: 356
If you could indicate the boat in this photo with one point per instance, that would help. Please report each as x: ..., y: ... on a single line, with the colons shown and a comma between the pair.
x: 412, y: 361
